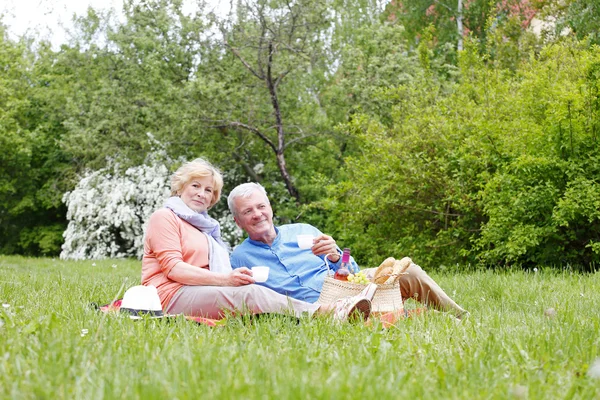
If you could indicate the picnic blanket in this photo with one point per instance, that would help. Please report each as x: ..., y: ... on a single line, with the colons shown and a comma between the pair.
x: 115, y: 307
x: 390, y: 319
x: 387, y: 319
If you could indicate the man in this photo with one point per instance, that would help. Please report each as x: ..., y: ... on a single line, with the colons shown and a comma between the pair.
x: 299, y: 273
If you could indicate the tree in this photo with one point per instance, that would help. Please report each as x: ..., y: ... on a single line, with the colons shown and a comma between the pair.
x: 453, y: 21
x: 276, y: 42
x: 133, y: 83
x: 31, y: 213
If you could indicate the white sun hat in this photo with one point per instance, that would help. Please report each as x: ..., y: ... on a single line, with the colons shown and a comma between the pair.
x: 140, y: 301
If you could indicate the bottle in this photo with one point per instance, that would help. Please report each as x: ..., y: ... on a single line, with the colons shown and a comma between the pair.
x: 344, y: 270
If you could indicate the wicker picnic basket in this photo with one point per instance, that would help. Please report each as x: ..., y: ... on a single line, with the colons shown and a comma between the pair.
x: 387, y: 298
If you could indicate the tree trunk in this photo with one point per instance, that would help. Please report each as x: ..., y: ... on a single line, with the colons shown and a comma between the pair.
x: 459, y: 25
x: 272, y: 85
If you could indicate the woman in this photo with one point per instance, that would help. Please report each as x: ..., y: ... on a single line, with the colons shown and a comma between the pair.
x: 187, y: 261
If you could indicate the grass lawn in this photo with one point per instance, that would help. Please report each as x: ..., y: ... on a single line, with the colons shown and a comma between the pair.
x: 54, y: 345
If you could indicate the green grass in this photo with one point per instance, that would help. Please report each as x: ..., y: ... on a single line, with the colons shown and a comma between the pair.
x: 508, y: 348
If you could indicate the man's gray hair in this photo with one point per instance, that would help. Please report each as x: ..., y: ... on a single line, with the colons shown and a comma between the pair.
x: 244, y: 190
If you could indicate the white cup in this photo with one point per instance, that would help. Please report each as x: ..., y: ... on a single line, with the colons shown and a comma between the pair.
x: 260, y: 273
x: 305, y: 241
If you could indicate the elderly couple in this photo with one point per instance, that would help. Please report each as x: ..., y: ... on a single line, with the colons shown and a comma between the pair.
x: 187, y: 261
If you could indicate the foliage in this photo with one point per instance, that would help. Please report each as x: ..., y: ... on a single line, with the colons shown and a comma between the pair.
x: 31, y: 214
x: 509, y: 343
x: 373, y: 61
x: 530, y: 202
x: 572, y: 16
x: 131, y: 82
x: 488, y: 166
x: 391, y: 139
x: 502, y: 25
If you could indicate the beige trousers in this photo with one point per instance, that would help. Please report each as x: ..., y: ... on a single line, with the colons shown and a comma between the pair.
x: 215, y: 301
x: 417, y: 285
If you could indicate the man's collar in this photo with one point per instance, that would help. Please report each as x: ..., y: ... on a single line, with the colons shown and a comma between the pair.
x: 263, y: 244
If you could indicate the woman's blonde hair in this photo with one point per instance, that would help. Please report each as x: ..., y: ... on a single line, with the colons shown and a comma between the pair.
x: 198, y: 168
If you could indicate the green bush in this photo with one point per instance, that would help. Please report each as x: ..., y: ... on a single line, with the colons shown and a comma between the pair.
x: 498, y: 169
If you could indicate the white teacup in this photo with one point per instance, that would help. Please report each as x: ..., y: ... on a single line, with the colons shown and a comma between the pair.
x: 260, y: 273
x: 305, y: 241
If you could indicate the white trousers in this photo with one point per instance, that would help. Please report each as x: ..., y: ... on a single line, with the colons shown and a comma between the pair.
x: 215, y: 301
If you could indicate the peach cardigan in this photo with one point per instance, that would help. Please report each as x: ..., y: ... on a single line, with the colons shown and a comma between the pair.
x: 169, y: 240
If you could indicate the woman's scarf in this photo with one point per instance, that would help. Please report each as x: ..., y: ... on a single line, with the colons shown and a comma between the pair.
x: 218, y: 254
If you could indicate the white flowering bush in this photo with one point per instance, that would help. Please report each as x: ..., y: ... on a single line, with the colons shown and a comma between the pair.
x: 230, y: 232
x: 108, y: 209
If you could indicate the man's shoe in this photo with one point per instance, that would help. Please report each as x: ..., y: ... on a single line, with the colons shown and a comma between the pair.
x: 350, y: 307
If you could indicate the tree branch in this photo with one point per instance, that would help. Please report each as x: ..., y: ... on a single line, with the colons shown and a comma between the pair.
x: 280, y: 78
x: 274, y: 100
x: 445, y: 5
x: 239, y: 56
x: 295, y: 140
x: 249, y: 170
x: 263, y: 29
x: 252, y: 129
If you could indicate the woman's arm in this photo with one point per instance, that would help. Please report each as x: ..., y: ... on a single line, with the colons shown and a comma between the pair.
x: 188, y: 274
x: 164, y: 237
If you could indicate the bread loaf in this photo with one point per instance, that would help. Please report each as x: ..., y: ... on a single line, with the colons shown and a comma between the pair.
x: 384, y: 270
x: 399, y: 267
x: 402, y: 265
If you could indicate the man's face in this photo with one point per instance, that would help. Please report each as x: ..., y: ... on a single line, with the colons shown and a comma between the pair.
x: 255, y: 216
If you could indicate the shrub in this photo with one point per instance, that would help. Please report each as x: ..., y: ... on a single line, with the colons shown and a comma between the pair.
x: 107, y: 211
x: 498, y: 169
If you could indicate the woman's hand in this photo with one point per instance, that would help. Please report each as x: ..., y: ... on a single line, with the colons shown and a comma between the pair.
x: 187, y: 274
x: 239, y: 277
x: 324, y: 244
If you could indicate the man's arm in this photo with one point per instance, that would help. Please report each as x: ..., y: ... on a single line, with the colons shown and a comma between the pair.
x: 326, y: 245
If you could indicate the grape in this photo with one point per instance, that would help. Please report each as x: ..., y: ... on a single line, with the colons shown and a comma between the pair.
x: 359, y: 278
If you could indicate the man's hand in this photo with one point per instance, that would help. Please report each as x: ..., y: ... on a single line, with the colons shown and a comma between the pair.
x: 239, y: 277
x: 324, y: 245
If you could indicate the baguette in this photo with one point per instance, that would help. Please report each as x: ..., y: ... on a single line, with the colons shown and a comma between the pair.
x: 384, y: 270
x: 402, y: 265
x: 399, y: 267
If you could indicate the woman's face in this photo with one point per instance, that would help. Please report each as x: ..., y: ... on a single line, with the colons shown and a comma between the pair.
x: 197, y: 194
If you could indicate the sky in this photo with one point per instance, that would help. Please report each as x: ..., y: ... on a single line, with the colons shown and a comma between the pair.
x: 49, y: 18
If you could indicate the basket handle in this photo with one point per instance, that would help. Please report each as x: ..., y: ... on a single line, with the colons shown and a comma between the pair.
x: 329, y: 270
